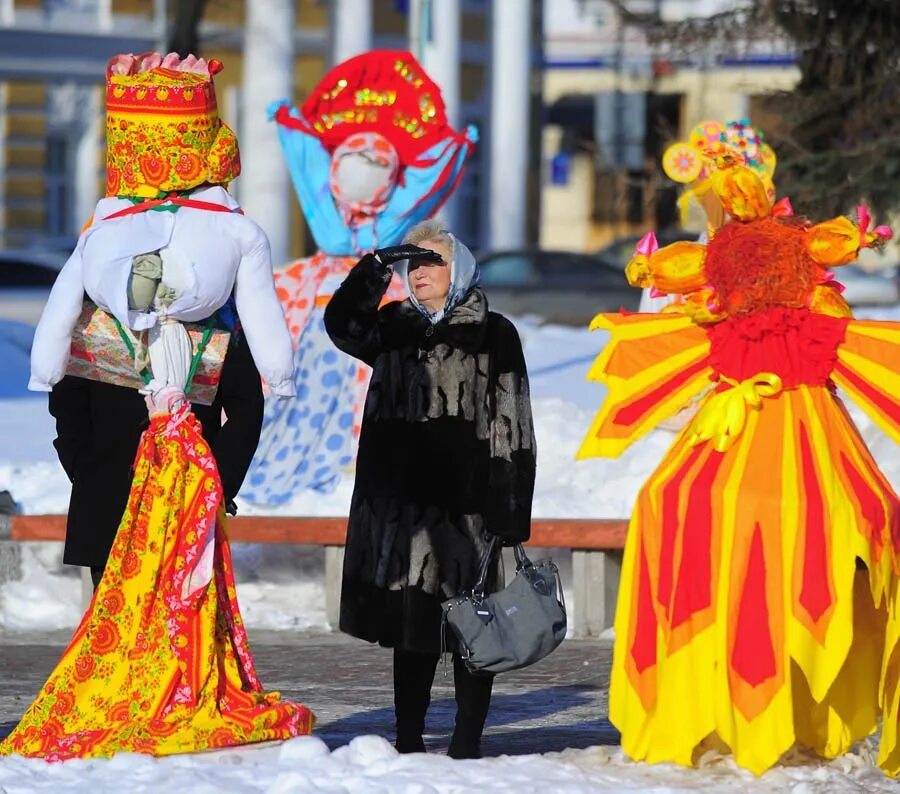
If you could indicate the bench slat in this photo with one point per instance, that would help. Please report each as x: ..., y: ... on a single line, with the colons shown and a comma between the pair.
x: 575, y: 533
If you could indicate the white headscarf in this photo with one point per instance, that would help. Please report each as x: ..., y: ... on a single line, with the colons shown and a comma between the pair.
x: 463, y: 277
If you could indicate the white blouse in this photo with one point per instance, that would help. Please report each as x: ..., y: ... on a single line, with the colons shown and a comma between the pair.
x: 213, y: 253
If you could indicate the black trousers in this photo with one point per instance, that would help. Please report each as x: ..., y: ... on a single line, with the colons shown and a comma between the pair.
x: 96, y: 575
x: 413, y: 679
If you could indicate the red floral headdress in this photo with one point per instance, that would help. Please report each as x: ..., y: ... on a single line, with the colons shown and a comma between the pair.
x: 163, y: 131
x: 383, y: 91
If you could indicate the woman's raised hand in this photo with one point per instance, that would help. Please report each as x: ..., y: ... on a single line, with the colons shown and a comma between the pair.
x: 397, y: 253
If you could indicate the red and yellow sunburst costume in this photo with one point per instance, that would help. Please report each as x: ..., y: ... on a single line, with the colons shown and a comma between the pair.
x: 743, y: 614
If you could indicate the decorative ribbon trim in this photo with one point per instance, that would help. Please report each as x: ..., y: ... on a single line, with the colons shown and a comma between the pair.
x: 724, y: 415
x: 140, y: 356
x: 171, y: 203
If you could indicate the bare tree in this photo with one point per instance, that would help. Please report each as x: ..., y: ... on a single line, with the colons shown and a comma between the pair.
x: 838, y: 139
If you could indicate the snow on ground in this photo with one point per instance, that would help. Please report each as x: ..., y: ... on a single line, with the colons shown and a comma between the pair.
x: 369, y: 765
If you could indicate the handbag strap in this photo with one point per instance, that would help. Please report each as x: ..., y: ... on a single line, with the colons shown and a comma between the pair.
x: 484, y: 565
x: 522, y: 562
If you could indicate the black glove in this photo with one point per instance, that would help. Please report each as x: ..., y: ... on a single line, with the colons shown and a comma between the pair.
x: 397, y: 253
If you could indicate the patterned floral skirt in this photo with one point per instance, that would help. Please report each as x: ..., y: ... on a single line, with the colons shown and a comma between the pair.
x: 160, y: 662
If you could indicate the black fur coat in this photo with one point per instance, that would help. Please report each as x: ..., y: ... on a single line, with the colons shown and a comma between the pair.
x: 446, y: 455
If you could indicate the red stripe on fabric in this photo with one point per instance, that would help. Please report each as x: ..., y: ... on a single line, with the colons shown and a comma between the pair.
x: 634, y: 411
x: 693, y: 592
x: 643, y: 648
x: 886, y: 404
x: 284, y: 117
x: 671, y: 524
x: 814, y: 592
x: 170, y: 112
x: 753, y: 656
x: 144, y: 206
x: 870, y: 505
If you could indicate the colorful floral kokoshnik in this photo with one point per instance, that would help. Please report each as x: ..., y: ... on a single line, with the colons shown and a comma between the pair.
x: 164, y: 134
x: 160, y: 662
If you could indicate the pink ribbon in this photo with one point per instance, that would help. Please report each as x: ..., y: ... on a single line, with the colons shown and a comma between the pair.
x: 865, y: 219
x: 647, y: 245
x: 828, y: 277
x: 783, y: 208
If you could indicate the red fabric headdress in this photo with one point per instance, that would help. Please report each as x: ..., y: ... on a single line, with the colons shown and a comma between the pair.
x: 383, y: 91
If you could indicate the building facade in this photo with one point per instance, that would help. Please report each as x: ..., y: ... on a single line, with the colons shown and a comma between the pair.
x: 614, y: 102
x: 53, y: 55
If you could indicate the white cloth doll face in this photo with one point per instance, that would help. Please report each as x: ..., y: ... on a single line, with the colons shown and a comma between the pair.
x: 364, y: 172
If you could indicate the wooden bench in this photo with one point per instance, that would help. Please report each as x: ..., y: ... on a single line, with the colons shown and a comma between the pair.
x: 596, y: 546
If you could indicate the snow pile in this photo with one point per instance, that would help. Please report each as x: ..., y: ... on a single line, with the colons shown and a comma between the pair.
x: 279, y: 587
x: 565, y: 488
x: 369, y: 765
x: 48, y: 596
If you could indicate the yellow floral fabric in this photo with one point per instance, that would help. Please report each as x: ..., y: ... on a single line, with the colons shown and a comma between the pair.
x: 160, y: 664
x: 164, y: 134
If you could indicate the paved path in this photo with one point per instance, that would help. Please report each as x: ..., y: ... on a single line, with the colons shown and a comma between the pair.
x: 558, y: 703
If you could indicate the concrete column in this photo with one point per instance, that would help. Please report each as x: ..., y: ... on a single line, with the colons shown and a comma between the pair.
x: 105, y: 15
x: 434, y: 40
x: 508, y: 133
x: 74, y: 121
x: 351, y: 28
x: 595, y: 580
x: 87, y: 588
x: 268, y: 75
x: 4, y: 132
x: 86, y: 168
x: 334, y: 573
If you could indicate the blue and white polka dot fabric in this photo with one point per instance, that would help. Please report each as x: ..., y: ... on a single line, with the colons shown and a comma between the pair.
x: 306, y: 442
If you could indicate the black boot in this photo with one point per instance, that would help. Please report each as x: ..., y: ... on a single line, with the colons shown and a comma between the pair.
x: 413, y: 677
x: 473, y: 698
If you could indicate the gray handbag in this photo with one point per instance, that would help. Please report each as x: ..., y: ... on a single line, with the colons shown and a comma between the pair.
x: 514, y: 627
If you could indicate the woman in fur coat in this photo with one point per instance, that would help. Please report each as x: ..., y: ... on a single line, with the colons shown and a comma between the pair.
x: 446, y: 460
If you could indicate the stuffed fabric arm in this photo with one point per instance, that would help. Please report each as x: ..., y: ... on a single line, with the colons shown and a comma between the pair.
x: 653, y: 365
x: 513, y: 461
x: 351, y: 317
x: 53, y: 336
x: 867, y: 370
x: 309, y: 164
x: 262, y: 317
